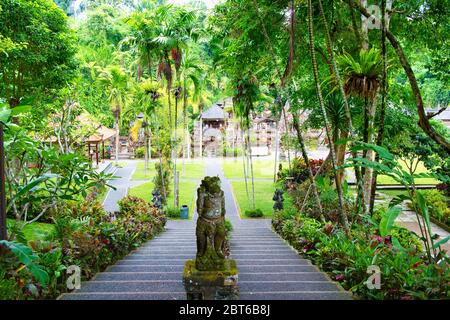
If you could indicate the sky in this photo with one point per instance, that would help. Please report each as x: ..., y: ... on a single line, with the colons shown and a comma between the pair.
x: 209, y: 3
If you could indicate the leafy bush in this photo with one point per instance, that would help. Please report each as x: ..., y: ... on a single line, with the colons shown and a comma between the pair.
x: 84, y: 235
x: 299, y: 170
x: 406, y: 273
x: 437, y: 204
x: 228, y: 226
x: 139, y: 153
x: 173, y: 213
x: 232, y: 152
x: 255, y: 213
x: 162, y: 178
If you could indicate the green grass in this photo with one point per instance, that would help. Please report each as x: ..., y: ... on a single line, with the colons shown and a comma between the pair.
x: 140, y: 174
x: 263, y: 196
x: 187, y: 193
x: 191, y: 170
x: 392, y: 193
x: 420, y: 169
x: 262, y: 169
x: 35, y: 230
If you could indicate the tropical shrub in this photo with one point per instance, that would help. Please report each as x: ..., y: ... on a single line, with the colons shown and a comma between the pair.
x: 173, y: 213
x: 437, y: 204
x: 139, y: 153
x: 254, y: 213
x: 405, y: 272
x: 299, y: 170
x: 84, y: 235
x: 162, y: 178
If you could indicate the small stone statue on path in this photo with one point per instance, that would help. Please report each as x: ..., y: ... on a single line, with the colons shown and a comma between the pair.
x: 157, y: 199
x: 279, y: 199
x: 211, y: 231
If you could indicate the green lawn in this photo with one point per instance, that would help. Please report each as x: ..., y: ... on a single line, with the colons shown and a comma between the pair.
x: 420, y: 169
x: 140, y: 174
x: 263, y: 196
x: 35, y: 230
x: 262, y: 169
x: 187, y: 193
x: 190, y: 170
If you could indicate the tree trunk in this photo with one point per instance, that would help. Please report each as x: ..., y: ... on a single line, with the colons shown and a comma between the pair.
x: 342, y: 215
x: 276, y: 153
x: 424, y: 122
x: 380, y: 135
x: 244, y: 159
x: 370, y: 155
x: 251, y: 167
x: 359, y: 181
x: 117, y: 140
x: 306, y: 159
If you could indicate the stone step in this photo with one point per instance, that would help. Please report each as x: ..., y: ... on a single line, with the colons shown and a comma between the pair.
x: 286, y: 286
x: 276, y: 268
x: 159, y: 256
x: 177, y: 262
x: 126, y: 296
x: 297, y: 295
x: 268, y: 247
x: 138, y: 276
x: 285, y: 250
x: 151, y: 262
x: 160, y: 268
x: 134, y: 286
x: 257, y: 242
x: 272, y: 262
x: 282, y: 276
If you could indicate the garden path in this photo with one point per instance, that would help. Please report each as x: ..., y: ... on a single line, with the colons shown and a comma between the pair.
x: 122, y: 184
x: 269, y: 269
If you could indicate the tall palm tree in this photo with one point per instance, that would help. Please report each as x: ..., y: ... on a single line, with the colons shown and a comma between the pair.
x: 361, y: 77
x: 247, y: 92
x: 116, y: 83
x: 337, y: 80
x: 342, y: 215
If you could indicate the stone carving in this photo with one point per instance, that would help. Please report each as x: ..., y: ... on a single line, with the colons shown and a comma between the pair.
x: 211, y: 231
x: 211, y: 276
x: 157, y: 199
x: 279, y: 199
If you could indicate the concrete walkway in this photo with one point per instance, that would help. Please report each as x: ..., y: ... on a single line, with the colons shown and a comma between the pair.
x: 269, y: 269
x: 122, y: 184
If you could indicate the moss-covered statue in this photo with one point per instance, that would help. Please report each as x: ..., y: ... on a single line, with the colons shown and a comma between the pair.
x: 211, y: 232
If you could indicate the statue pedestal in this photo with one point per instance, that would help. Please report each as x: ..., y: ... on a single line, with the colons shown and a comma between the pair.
x: 211, y: 285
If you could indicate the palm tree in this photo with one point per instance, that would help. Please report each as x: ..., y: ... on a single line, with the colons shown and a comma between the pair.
x: 336, y: 77
x: 343, y: 217
x: 192, y: 73
x: 147, y: 96
x: 247, y: 92
x: 116, y: 83
x: 361, y: 78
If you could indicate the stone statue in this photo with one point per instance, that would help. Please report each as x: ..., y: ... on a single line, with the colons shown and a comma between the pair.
x: 157, y: 199
x: 211, y: 231
x: 279, y: 199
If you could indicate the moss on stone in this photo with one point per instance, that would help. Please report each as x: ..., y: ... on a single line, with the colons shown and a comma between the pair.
x: 209, y: 278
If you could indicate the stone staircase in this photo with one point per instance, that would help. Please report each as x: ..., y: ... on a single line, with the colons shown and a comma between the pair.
x: 268, y: 269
